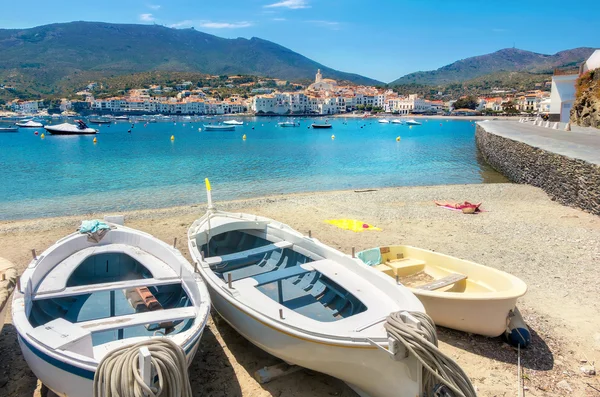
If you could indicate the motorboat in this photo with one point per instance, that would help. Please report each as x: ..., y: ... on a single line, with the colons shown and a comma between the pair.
x: 10, y: 128
x: 29, y: 124
x: 121, y: 118
x: 104, y: 288
x: 383, y: 121
x: 412, y: 122
x: 397, y: 121
x: 303, y: 301
x: 233, y: 122
x: 8, y: 279
x: 99, y: 121
x: 70, y: 129
x: 456, y: 293
x: 316, y: 126
x: 288, y: 124
x: 209, y: 127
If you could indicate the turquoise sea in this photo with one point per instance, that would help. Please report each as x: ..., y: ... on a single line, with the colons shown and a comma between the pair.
x: 66, y: 175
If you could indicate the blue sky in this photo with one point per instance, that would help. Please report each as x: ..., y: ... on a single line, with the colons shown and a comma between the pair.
x: 382, y: 39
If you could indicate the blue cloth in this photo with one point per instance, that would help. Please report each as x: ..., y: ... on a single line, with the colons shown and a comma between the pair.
x: 92, y: 226
x: 370, y: 257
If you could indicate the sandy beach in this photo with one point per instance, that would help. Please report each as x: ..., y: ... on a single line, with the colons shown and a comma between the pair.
x: 554, y: 249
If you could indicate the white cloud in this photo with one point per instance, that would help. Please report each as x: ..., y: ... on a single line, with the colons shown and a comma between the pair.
x: 333, y: 25
x: 224, y: 25
x: 182, y: 24
x: 154, y: 6
x: 292, y: 4
x: 146, y: 17
x: 279, y: 19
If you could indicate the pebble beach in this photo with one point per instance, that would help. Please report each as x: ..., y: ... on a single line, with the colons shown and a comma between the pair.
x: 553, y: 248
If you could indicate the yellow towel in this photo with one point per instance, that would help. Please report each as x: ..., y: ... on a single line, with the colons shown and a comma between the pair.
x: 351, y: 224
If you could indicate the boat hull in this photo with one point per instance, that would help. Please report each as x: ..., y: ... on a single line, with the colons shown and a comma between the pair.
x: 55, y: 132
x: 321, y: 126
x: 364, y: 367
x: 9, y: 129
x: 67, y: 379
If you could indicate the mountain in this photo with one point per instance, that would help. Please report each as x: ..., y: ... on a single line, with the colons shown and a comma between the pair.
x: 506, y: 60
x: 45, y: 56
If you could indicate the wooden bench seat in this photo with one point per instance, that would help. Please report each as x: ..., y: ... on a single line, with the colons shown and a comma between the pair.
x: 215, y: 260
x: 269, y: 277
x: 154, y: 317
x: 443, y: 282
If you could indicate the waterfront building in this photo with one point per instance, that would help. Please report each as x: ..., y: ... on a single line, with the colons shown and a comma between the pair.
x: 28, y: 107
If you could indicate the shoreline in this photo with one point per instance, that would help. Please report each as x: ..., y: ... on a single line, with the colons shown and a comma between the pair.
x: 553, y: 248
x: 139, y: 213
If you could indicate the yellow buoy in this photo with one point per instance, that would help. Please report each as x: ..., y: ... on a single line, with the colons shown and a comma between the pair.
x: 397, y: 139
x: 95, y: 139
x: 410, y: 127
x: 333, y: 137
x: 42, y: 136
x: 244, y: 137
x: 172, y: 137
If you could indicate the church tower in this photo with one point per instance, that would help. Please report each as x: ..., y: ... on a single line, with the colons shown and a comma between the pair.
x: 319, y: 76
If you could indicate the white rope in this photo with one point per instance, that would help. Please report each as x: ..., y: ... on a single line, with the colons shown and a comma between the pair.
x: 422, y: 343
x: 118, y: 374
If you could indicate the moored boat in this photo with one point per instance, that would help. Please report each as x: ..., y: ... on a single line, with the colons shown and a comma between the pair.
x: 397, y: 121
x: 10, y: 128
x: 314, y: 125
x: 209, y: 127
x: 29, y: 124
x: 288, y: 124
x: 233, y: 122
x: 305, y: 302
x: 383, y: 121
x: 121, y: 118
x: 456, y: 293
x: 412, y: 122
x: 70, y: 129
x: 101, y: 290
x: 99, y: 121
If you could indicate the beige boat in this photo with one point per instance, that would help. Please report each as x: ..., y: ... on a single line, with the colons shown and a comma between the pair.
x: 456, y: 293
x: 8, y: 278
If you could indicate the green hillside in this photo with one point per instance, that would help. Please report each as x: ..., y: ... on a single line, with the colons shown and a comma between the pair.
x: 46, y: 59
x: 506, y: 60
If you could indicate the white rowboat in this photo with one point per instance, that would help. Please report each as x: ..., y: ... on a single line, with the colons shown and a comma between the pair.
x: 81, y: 300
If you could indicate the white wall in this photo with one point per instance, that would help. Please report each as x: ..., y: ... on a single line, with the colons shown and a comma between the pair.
x: 563, y: 90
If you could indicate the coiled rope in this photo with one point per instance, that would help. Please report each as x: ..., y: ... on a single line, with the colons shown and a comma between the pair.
x: 423, y: 344
x: 118, y: 374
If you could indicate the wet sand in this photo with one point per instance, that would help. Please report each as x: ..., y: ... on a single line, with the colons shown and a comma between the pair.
x: 554, y: 249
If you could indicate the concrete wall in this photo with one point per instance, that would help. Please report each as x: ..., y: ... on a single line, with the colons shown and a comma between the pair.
x: 571, y: 182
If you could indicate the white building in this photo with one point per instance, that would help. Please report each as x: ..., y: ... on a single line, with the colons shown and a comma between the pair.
x: 28, y: 107
x: 562, y: 93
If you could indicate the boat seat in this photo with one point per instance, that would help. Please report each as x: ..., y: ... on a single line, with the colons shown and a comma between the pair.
x: 56, y: 279
x: 277, y: 275
x: 153, y: 317
x: 385, y: 269
x: 89, y: 289
x: 215, y: 260
x: 404, y: 263
x: 443, y: 282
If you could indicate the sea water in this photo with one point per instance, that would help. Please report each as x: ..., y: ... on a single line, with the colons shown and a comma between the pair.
x: 67, y: 175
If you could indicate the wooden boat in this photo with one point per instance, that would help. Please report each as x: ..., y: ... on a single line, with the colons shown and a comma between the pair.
x: 321, y: 125
x: 8, y: 278
x: 9, y: 129
x: 81, y: 300
x: 70, y: 129
x: 456, y: 293
x: 303, y: 301
x: 219, y: 127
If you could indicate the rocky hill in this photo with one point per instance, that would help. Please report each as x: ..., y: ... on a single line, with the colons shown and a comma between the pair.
x: 586, y: 109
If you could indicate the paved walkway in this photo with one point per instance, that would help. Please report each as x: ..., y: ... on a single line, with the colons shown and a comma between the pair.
x: 580, y: 143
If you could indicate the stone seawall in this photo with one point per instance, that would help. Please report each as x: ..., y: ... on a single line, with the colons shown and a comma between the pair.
x: 569, y: 181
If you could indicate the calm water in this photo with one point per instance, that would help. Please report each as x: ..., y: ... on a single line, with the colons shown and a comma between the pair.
x: 71, y: 175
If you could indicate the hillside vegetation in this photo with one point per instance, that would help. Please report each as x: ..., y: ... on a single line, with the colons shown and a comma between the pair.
x: 506, y: 60
x: 586, y: 109
x: 49, y: 59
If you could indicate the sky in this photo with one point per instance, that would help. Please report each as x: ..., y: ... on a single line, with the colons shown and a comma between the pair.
x: 381, y: 39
